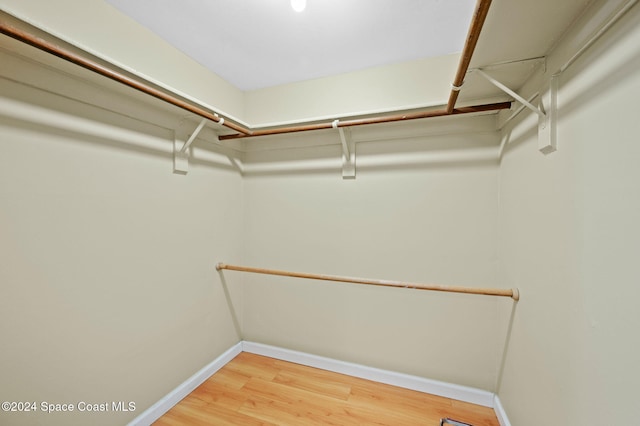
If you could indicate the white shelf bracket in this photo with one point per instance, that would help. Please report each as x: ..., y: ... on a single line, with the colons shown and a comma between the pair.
x: 508, y: 91
x: 547, y: 111
x: 348, y: 151
x: 180, y: 159
x: 547, y: 141
x: 193, y: 135
x: 181, y: 143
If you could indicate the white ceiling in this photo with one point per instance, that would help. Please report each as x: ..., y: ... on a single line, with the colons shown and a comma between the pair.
x: 261, y: 43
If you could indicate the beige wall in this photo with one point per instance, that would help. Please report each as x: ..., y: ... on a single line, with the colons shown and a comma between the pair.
x: 379, y: 89
x: 433, y: 220
x: 108, y: 290
x: 569, y: 238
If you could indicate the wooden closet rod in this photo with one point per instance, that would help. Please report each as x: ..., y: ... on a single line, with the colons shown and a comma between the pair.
x: 477, y: 22
x: 511, y: 292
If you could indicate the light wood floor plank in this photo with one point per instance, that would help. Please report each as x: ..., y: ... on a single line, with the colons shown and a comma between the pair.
x: 214, y: 393
x: 192, y: 411
x: 317, y: 385
x: 283, y: 413
x: 257, y: 390
x: 229, y: 378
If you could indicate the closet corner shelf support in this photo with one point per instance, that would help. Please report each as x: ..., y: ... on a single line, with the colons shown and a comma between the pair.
x: 510, y: 292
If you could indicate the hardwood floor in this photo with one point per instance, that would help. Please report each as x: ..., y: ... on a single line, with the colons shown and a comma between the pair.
x: 257, y: 390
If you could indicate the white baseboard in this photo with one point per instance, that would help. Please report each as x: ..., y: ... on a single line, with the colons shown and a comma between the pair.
x: 434, y: 387
x: 154, y: 412
x: 500, y: 413
x: 448, y: 390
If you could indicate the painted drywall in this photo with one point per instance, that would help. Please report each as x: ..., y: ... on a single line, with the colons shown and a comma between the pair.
x: 391, y: 87
x: 108, y: 291
x: 432, y: 220
x: 569, y: 238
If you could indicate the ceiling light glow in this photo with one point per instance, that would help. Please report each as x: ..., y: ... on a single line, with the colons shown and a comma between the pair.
x: 298, y: 5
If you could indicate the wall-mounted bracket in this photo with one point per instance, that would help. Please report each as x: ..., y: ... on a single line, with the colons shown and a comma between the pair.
x: 181, y: 143
x: 180, y: 159
x: 193, y: 135
x: 547, y: 111
x: 547, y: 142
x: 348, y: 151
x: 508, y: 91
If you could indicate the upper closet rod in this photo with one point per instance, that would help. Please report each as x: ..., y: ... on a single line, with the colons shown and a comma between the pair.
x: 479, y: 16
x: 58, y: 49
x: 511, y: 292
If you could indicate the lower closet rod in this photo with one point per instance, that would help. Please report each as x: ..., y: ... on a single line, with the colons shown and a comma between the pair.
x: 510, y: 292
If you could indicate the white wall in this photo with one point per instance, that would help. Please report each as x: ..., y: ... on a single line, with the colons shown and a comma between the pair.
x: 108, y: 290
x: 570, y: 239
x: 433, y: 220
x: 379, y: 89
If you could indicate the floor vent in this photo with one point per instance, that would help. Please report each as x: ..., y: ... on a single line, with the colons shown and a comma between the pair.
x: 448, y: 421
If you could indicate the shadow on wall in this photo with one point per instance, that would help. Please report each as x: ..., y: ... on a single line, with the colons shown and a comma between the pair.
x: 512, y: 140
x: 232, y: 309
x: 385, y: 154
x: 616, y: 74
x: 505, y: 349
x: 31, y: 109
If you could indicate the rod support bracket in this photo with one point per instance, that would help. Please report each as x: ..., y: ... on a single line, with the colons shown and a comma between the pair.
x: 547, y: 140
x: 180, y: 156
x: 348, y: 151
x: 515, y: 293
x: 546, y: 111
x: 181, y: 143
x: 510, y: 92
